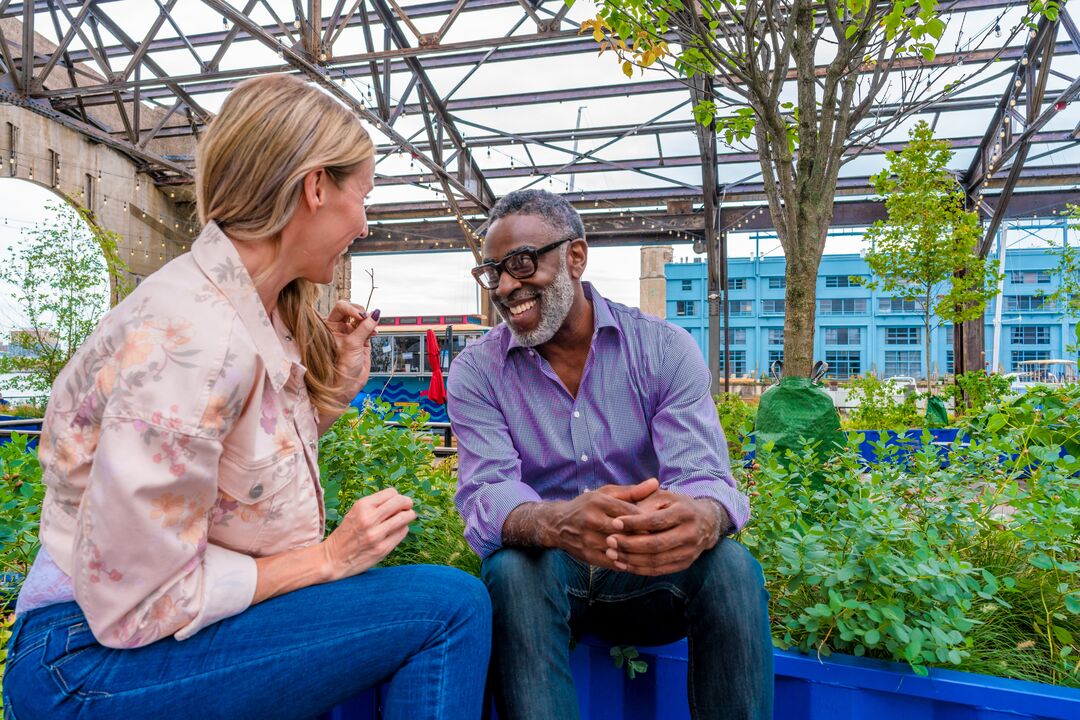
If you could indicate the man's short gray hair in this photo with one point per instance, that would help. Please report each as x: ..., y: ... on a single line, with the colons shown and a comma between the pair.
x: 552, y: 208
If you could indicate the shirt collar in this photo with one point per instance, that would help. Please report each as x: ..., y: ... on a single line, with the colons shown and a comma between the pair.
x: 217, y: 258
x: 602, y: 316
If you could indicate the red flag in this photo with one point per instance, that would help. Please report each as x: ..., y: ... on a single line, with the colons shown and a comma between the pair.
x: 436, y: 391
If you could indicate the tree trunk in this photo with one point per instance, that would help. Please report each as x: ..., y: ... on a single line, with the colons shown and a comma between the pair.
x: 803, y: 246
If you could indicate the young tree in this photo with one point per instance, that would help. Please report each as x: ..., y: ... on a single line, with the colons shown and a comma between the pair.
x: 804, y: 78
x: 926, y: 251
x: 1067, y: 294
x: 62, y: 274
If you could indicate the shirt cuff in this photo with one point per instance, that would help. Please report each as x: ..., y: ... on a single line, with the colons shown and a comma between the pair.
x: 495, y: 503
x: 229, y: 580
x: 736, y: 504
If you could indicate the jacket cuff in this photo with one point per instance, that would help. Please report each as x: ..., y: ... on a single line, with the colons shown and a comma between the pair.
x: 229, y: 580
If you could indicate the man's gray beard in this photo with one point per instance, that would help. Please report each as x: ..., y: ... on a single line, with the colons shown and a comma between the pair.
x: 555, y: 303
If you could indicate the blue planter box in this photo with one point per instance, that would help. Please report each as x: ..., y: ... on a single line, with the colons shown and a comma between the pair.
x: 840, y: 687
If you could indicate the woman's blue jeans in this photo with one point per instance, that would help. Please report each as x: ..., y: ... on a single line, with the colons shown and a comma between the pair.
x: 423, y: 630
x: 543, y: 598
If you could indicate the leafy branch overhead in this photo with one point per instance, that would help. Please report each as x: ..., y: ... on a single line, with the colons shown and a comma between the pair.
x: 812, y: 84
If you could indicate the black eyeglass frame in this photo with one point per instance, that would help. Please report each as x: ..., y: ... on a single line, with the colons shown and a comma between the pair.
x: 500, y: 266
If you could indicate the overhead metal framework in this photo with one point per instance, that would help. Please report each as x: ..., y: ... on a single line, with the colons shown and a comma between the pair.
x: 145, y: 77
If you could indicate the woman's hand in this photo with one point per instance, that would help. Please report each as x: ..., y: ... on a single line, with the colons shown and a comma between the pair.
x: 374, y: 526
x: 352, y: 329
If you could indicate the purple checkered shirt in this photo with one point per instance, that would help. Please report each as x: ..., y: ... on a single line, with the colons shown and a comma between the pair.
x: 643, y: 410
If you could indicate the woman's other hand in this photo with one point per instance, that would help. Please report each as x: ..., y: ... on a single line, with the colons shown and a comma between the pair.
x: 352, y: 328
x: 374, y: 526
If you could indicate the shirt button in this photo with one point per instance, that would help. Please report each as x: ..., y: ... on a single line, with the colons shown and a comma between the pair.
x: 256, y: 491
x: 577, y: 414
x: 584, y: 457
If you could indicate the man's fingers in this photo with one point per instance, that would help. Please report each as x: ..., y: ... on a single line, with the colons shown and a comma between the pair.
x: 632, y: 493
x: 662, y: 564
x: 649, y: 544
x: 651, y: 522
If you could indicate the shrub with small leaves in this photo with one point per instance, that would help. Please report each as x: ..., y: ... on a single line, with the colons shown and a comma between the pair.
x: 360, y: 455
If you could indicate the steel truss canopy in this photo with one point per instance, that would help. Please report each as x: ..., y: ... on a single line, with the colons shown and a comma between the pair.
x: 470, y: 99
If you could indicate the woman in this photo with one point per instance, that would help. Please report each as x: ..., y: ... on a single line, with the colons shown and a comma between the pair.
x: 183, y: 571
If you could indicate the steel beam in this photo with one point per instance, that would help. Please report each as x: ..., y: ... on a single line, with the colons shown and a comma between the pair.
x: 609, y: 229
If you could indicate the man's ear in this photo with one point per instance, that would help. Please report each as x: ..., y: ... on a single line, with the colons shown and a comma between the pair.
x: 313, y: 191
x: 577, y: 257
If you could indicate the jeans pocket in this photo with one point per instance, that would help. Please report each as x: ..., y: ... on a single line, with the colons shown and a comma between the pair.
x: 71, y: 654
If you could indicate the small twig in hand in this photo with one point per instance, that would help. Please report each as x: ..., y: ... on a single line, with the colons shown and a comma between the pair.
x: 371, y: 274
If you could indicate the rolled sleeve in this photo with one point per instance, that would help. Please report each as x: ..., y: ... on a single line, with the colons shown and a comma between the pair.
x: 489, y: 467
x: 229, y: 580
x: 687, y: 437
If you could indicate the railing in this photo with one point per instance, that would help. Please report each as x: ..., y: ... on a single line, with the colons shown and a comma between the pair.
x: 7, y: 427
x: 447, y: 448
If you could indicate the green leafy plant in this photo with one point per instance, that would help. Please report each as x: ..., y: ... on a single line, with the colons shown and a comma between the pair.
x: 63, y: 276
x: 628, y: 656
x: 977, y: 389
x: 21, y: 493
x: 360, y: 455
x: 879, y: 407
x: 737, y: 419
x: 973, y: 564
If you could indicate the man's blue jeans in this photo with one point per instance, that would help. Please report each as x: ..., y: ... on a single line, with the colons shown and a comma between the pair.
x: 425, y: 630
x: 542, y: 598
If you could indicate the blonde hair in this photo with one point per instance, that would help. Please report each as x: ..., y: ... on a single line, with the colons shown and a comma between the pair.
x: 250, y: 167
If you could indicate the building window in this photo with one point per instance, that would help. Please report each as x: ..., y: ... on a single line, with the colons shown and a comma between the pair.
x: 772, y: 307
x: 1020, y: 303
x: 903, y: 362
x: 736, y: 283
x: 685, y: 308
x: 949, y: 362
x: 1029, y: 277
x: 778, y: 283
x: 736, y: 336
x: 1020, y: 356
x: 738, y: 362
x: 844, y: 363
x: 840, y: 281
x: 898, y: 305
x: 776, y: 356
x: 776, y: 336
x: 1030, y: 335
x: 687, y: 285
x: 902, y: 336
x: 843, y: 306
x: 843, y: 336
x: 740, y: 307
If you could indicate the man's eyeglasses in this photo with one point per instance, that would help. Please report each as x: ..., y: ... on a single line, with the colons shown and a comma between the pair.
x: 520, y: 264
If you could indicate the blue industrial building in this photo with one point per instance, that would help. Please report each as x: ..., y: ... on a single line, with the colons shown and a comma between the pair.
x: 860, y: 331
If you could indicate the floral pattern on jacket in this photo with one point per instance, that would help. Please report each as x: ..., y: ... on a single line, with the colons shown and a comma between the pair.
x: 179, y: 444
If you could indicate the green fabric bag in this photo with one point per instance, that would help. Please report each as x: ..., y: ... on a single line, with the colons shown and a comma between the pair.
x: 797, y: 412
x: 936, y: 414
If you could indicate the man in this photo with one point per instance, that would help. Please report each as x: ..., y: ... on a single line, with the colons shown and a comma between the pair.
x: 594, y: 481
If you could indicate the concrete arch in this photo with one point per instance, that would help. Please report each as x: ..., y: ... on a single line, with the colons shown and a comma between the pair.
x: 153, y: 228
x: 154, y: 224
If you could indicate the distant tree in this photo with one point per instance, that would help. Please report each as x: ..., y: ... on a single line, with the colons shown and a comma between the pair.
x: 61, y: 274
x: 926, y: 249
x: 1067, y: 295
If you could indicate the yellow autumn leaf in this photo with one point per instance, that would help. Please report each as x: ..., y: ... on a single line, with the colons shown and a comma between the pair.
x: 628, y: 69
